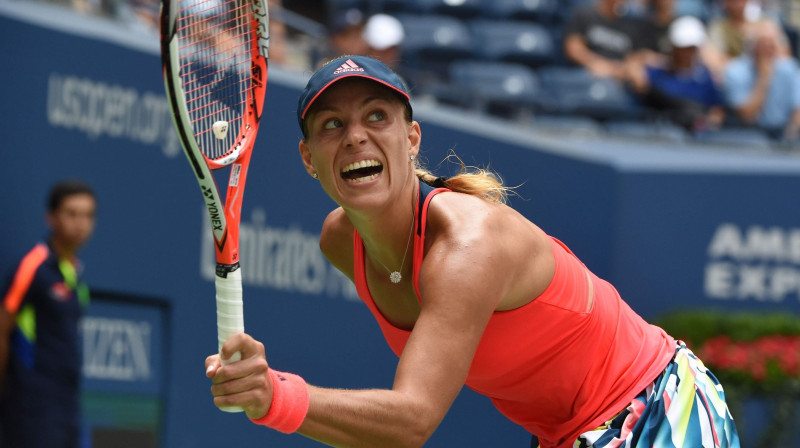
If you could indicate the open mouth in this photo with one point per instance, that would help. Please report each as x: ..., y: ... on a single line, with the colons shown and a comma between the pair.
x: 362, y: 171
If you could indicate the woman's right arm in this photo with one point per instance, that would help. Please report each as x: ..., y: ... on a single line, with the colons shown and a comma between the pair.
x: 352, y: 418
x: 433, y: 366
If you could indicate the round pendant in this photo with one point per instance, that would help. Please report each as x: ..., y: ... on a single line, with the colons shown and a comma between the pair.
x: 395, y: 277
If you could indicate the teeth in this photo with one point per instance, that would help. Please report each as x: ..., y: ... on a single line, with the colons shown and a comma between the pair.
x: 361, y: 164
x: 358, y: 180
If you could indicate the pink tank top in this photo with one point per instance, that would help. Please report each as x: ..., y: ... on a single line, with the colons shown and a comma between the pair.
x: 551, y: 366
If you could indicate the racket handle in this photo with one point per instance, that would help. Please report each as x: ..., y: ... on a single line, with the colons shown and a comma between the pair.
x: 230, y: 312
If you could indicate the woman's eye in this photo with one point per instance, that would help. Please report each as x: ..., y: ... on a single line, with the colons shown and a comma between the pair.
x: 332, y: 124
x: 376, y: 116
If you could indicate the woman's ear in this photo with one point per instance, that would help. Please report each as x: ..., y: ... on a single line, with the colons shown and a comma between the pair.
x: 414, y: 138
x: 305, y: 155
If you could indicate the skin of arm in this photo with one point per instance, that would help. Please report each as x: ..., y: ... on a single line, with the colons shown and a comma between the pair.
x: 750, y: 110
x: 716, y: 117
x: 470, y: 270
x: 636, y: 76
x: 792, y: 131
x: 6, y: 326
x: 577, y: 51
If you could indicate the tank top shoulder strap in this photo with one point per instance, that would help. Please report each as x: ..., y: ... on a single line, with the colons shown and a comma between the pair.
x: 426, y: 193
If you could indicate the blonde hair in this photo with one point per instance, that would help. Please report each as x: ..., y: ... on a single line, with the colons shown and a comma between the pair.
x: 470, y: 180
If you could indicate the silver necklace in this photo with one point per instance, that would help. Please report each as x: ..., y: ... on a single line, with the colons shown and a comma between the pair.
x: 396, y: 276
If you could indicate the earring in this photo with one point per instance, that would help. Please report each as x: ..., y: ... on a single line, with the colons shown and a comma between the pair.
x: 411, y: 157
x: 315, y: 176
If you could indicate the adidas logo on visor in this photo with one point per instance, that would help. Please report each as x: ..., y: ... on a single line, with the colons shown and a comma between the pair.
x: 348, y: 66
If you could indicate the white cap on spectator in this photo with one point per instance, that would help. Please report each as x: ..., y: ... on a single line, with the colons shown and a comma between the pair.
x: 383, y: 31
x: 687, y: 31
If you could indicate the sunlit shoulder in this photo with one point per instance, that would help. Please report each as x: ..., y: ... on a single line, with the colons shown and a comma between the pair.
x: 336, y: 241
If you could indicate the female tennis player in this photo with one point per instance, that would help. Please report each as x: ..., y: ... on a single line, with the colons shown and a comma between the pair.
x: 466, y: 291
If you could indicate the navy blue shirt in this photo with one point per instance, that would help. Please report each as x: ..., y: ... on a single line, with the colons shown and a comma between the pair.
x: 695, y: 84
x: 46, y: 295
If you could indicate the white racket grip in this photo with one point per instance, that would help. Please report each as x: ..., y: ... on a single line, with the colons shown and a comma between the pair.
x: 230, y: 315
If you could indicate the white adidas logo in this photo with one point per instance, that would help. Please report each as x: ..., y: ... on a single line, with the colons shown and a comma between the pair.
x: 348, y: 66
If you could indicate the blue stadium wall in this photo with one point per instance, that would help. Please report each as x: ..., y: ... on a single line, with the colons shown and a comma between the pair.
x: 672, y: 227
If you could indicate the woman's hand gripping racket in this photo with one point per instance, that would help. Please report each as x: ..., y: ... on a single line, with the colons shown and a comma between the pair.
x: 214, y: 57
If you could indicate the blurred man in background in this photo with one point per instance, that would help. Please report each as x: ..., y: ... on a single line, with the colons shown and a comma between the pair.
x: 730, y: 32
x: 655, y: 35
x: 682, y: 87
x: 40, y: 356
x: 763, y: 85
x: 601, y: 37
x: 733, y: 27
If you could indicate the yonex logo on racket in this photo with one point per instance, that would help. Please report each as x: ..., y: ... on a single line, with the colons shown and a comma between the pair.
x: 348, y: 66
x: 262, y: 31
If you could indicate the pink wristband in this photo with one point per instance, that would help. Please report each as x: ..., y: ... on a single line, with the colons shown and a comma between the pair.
x: 289, y: 403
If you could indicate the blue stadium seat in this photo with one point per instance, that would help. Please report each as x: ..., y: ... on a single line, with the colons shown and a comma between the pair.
x: 543, y: 11
x: 557, y: 35
x: 734, y: 137
x: 461, y: 8
x: 342, y: 5
x: 523, y: 42
x: 566, y: 7
x: 433, y: 41
x: 390, y: 6
x: 574, y: 91
x: 498, y: 88
x: 651, y: 131
x: 574, y: 126
x: 369, y: 7
x: 696, y: 8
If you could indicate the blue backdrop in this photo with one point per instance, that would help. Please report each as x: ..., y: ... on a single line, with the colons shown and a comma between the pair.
x: 670, y: 226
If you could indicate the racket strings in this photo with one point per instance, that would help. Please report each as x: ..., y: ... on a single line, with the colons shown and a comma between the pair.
x: 223, y: 69
x: 199, y: 110
x: 198, y: 53
x: 193, y: 29
x: 202, y: 101
x: 215, y: 38
x: 204, y: 78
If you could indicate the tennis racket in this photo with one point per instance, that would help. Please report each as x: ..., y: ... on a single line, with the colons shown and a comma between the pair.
x: 214, y: 58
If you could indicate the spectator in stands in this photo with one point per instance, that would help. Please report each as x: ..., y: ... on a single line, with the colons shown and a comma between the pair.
x: 384, y: 37
x: 277, y: 33
x: 729, y: 32
x: 140, y: 14
x: 683, y: 88
x: 601, y: 37
x: 655, y: 35
x: 345, y: 35
x: 763, y: 85
x: 656, y: 47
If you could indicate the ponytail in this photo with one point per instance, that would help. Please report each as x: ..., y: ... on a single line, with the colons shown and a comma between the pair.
x: 469, y: 180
